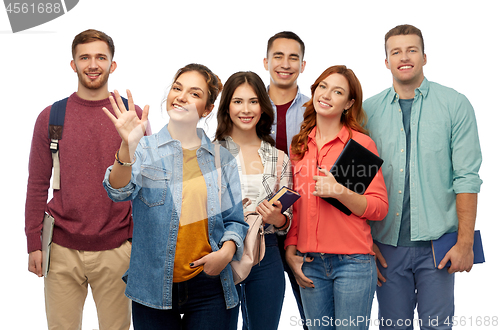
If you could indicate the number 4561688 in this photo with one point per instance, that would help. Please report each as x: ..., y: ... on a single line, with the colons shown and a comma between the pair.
x: 472, y: 321
x: 24, y: 8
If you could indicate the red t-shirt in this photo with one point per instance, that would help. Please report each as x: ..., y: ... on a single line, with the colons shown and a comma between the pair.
x: 281, y: 126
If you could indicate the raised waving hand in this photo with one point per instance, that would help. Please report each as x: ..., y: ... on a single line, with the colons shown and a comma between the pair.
x: 130, y: 127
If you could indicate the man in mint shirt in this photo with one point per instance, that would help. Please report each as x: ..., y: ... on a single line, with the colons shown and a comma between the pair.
x: 427, y: 135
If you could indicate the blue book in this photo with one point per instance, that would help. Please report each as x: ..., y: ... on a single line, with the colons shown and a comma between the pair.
x: 286, y: 196
x: 442, y: 245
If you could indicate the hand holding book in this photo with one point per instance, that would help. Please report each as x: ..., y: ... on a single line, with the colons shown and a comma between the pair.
x: 355, y: 169
x: 327, y: 187
x: 286, y: 197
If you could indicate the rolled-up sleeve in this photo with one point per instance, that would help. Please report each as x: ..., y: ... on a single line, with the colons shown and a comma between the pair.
x: 120, y: 194
x: 466, y: 151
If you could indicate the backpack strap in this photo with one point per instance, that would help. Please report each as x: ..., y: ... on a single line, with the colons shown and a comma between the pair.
x: 56, y: 123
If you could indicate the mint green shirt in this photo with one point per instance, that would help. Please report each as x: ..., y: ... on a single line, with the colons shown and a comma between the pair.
x: 445, y: 158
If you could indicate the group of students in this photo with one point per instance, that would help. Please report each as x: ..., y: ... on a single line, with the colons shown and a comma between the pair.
x: 184, y: 237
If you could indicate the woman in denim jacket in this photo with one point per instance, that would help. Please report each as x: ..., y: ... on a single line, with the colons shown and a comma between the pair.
x: 184, y: 238
x: 244, y: 119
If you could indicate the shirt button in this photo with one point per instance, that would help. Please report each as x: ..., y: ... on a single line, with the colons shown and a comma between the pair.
x: 272, y: 132
x: 402, y: 150
x: 402, y: 130
x: 400, y: 192
x: 397, y: 214
x: 401, y: 170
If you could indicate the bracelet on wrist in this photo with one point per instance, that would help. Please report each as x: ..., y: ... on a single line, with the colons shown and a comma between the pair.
x: 284, y: 225
x: 117, y: 157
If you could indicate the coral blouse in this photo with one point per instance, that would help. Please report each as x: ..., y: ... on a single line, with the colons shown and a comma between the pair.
x: 317, y: 225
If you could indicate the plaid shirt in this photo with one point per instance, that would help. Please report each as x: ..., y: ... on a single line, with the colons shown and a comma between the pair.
x: 270, y: 185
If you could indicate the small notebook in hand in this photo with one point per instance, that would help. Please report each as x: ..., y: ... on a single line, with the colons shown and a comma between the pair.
x: 443, y: 244
x: 47, y: 230
x: 354, y: 169
x: 286, y: 196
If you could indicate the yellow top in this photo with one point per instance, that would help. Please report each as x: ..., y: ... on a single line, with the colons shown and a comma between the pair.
x: 192, y: 238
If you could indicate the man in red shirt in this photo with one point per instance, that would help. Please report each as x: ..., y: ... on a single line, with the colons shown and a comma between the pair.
x: 91, y: 233
x: 285, y: 62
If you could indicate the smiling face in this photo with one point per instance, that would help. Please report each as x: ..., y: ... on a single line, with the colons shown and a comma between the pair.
x: 406, y: 60
x: 284, y: 62
x: 93, y: 63
x: 187, y: 98
x: 244, y: 109
x: 331, y: 97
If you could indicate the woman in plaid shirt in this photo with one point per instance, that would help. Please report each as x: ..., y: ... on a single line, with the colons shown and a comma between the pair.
x: 244, y: 119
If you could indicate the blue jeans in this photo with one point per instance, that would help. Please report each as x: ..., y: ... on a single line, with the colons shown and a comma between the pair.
x: 344, y: 286
x: 412, y: 280
x: 263, y: 291
x: 200, y: 299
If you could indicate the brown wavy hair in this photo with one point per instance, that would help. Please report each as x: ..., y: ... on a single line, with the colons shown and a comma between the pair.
x: 353, y: 119
x: 224, y: 122
x: 213, y: 82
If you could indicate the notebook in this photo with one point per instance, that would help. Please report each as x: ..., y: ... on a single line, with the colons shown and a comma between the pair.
x: 47, y: 230
x: 286, y: 196
x: 442, y: 245
x: 354, y: 169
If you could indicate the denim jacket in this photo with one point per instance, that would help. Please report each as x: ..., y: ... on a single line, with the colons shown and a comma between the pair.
x: 155, y: 190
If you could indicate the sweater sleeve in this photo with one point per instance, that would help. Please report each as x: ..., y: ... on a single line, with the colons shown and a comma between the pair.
x: 40, y: 171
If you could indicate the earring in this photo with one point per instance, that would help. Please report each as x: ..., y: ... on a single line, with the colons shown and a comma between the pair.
x: 345, y: 111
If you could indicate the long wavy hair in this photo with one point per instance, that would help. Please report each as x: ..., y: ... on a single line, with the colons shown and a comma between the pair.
x: 224, y: 122
x: 353, y: 119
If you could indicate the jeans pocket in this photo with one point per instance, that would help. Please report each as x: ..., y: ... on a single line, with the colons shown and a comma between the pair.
x: 359, y: 258
x: 204, y: 274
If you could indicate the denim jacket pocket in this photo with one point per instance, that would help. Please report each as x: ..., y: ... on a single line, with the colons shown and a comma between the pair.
x: 154, y: 185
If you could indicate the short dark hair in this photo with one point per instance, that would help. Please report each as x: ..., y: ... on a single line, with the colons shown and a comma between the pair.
x: 90, y: 36
x: 404, y: 29
x: 224, y: 123
x: 286, y: 35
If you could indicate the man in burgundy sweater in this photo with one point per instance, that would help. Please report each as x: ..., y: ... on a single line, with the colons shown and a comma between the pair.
x: 285, y: 62
x: 91, y: 233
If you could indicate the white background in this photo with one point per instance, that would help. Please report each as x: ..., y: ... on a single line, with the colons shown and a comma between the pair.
x: 153, y: 39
